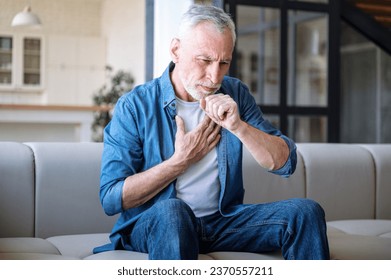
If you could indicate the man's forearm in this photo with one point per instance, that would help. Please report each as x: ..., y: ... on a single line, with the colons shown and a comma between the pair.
x: 269, y: 151
x: 141, y: 187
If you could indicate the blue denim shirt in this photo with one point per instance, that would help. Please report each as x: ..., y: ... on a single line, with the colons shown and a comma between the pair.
x: 141, y: 135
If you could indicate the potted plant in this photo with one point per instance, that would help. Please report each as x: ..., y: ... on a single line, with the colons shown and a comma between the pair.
x: 106, y: 97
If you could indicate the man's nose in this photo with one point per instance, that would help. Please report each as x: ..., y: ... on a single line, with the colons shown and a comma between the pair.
x: 214, y: 72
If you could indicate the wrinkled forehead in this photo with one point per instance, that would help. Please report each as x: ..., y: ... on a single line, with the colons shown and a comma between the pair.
x: 209, y: 44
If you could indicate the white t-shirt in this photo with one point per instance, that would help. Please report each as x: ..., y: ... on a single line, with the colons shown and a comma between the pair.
x: 199, y: 186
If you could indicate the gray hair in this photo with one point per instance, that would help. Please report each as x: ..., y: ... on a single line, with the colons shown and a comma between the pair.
x: 200, y: 13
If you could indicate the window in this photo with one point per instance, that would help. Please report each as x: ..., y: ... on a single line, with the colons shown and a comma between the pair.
x: 31, y: 61
x: 308, y: 57
x: 5, y: 60
x: 20, y: 62
x: 286, y: 50
x: 258, y: 51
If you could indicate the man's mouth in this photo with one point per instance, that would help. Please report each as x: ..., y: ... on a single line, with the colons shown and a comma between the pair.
x: 209, y: 89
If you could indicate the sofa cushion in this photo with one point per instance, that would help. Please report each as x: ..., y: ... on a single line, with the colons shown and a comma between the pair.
x: 118, y: 255
x: 262, y: 186
x: 16, y: 190
x: 32, y: 256
x: 128, y: 255
x: 341, y: 177
x: 379, y: 228
x: 67, y: 189
x: 359, y: 247
x: 27, y: 245
x: 360, y: 239
x: 79, y: 245
x: 381, y: 154
x: 246, y: 256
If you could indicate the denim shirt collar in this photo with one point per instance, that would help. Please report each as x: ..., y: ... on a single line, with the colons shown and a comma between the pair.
x: 167, y: 89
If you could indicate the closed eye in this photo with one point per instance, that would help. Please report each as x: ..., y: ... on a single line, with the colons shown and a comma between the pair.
x: 205, y: 60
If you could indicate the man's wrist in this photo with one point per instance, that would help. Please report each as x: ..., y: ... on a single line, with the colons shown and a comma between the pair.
x: 240, y: 129
x: 178, y: 166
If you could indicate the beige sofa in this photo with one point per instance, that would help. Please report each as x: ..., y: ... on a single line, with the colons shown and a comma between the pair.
x: 50, y: 209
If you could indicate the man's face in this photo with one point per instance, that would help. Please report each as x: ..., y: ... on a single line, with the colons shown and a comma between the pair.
x: 202, y: 59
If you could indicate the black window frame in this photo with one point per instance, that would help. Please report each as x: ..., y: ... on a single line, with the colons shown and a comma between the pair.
x: 283, y: 110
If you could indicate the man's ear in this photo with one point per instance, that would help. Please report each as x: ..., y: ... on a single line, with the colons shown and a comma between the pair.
x: 174, y: 49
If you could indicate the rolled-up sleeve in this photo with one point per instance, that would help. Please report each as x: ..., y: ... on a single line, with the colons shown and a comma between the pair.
x: 120, y: 159
x: 290, y: 165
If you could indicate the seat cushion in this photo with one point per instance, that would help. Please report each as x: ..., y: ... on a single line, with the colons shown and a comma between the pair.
x: 32, y: 256
x: 78, y: 245
x: 360, y: 239
x: 379, y: 228
x: 27, y: 245
x: 118, y: 255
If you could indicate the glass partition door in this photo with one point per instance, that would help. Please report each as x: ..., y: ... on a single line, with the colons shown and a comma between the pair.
x: 282, y: 54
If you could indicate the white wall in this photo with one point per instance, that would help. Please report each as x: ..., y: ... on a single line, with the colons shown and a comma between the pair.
x: 123, y: 27
x: 73, y: 50
x: 80, y: 37
x: 74, y: 70
x: 167, y: 17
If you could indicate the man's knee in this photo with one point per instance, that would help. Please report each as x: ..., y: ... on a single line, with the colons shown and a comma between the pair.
x: 174, y: 212
x: 308, y: 208
x: 173, y: 206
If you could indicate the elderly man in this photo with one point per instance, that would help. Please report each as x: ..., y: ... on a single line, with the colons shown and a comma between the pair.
x: 172, y: 155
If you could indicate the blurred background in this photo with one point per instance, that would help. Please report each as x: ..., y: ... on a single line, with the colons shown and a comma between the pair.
x: 319, y: 69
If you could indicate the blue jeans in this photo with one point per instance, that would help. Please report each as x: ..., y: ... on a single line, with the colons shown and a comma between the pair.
x: 169, y: 230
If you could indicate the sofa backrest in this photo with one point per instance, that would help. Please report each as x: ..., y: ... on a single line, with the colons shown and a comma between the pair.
x: 341, y: 177
x: 67, y: 189
x: 263, y: 186
x: 350, y: 181
x: 16, y: 190
x: 49, y: 189
x: 382, y: 160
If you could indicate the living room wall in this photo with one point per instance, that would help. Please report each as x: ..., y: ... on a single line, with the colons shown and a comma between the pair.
x: 79, y: 38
